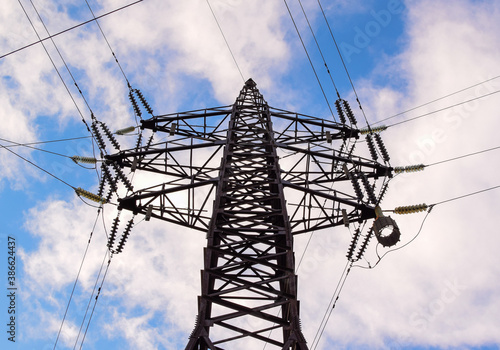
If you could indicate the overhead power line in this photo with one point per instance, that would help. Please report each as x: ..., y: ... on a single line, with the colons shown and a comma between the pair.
x: 107, y: 42
x: 68, y: 29
x: 45, y: 171
x: 50, y: 141
x: 465, y: 195
x: 438, y: 99
x: 95, y: 300
x: 227, y: 44
x: 319, y: 48
x: 60, y: 56
x: 35, y: 148
x: 463, y: 156
x: 309, y: 58
x: 444, y: 108
x: 77, y: 277
x: 343, y: 62
x: 331, y: 305
x: 54, y: 65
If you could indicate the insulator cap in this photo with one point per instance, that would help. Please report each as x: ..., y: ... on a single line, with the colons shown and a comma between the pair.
x: 125, y: 130
x: 373, y: 130
x: 410, y: 209
x: 144, y: 102
x: 357, y: 187
x: 87, y: 160
x: 89, y: 195
x: 368, y: 189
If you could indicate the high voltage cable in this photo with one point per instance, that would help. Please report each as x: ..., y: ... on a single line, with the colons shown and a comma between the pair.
x: 107, y: 42
x: 333, y: 303
x: 343, y: 62
x: 343, y: 278
x: 398, y: 248
x: 430, y: 207
x: 50, y: 141
x: 465, y: 195
x: 463, y: 156
x: 54, y: 65
x: 227, y: 44
x: 444, y: 108
x: 60, y: 56
x: 45, y: 171
x: 319, y: 48
x: 96, y: 298
x: 421, y: 167
x: 438, y: 99
x: 77, y: 277
x: 35, y: 148
x: 67, y: 68
x: 310, y: 61
x: 68, y: 29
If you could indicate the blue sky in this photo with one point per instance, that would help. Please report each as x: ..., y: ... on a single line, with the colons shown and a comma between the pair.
x: 439, y: 292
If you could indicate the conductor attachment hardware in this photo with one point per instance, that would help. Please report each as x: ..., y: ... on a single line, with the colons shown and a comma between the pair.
x: 386, y: 231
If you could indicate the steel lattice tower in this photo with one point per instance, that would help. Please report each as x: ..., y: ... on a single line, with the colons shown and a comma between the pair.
x: 248, y: 284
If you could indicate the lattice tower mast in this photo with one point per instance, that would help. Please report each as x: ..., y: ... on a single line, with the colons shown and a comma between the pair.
x: 249, y: 285
x: 249, y: 264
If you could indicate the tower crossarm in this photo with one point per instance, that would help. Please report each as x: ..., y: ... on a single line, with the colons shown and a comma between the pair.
x: 206, y: 124
x: 316, y: 210
x: 175, y: 204
x: 173, y: 159
x: 295, y: 127
x: 370, y: 168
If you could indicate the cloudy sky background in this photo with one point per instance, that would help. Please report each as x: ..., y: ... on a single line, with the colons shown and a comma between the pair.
x: 440, y: 291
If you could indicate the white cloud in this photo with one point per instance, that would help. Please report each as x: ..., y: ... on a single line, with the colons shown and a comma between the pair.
x: 426, y: 293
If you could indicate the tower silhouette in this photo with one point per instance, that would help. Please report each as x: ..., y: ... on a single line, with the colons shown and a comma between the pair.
x: 280, y: 174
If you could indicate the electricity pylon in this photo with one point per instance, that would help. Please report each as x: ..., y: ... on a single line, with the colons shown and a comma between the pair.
x: 247, y: 159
